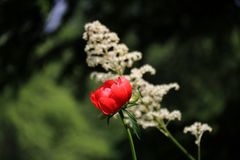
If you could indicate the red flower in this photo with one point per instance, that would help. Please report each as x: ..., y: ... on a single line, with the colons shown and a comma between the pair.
x: 112, y: 95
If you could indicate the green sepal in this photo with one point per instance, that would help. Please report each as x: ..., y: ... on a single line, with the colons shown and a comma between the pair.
x: 131, y: 104
x: 134, y: 98
x: 108, y: 118
x: 139, y: 92
x: 102, y: 116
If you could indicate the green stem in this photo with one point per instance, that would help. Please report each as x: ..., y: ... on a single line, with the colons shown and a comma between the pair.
x: 199, y: 152
x: 134, y: 157
x: 165, y: 131
x: 179, y: 145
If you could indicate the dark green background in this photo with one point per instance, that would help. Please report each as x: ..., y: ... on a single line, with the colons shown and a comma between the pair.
x: 45, y: 112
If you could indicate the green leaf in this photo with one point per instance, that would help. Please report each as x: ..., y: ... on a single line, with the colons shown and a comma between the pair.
x: 131, y: 104
x: 133, y: 121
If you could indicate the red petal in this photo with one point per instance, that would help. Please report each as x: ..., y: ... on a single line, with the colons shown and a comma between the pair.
x: 94, y: 100
x: 119, y: 94
x: 108, y: 83
x: 102, y: 92
x: 124, y: 83
x: 108, y: 105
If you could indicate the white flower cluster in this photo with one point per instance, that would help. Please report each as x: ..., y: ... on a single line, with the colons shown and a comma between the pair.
x: 148, y: 112
x: 152, y: 94
x: 103, y: 48
x: 154, y: 118
x: 102, y: 77
x: 165, y: 114
x: 197, y: 129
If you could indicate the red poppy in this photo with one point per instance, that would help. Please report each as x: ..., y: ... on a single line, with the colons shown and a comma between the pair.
x: 112, y: 95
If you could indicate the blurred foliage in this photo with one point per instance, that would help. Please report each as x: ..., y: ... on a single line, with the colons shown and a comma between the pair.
x: 44, y: 78
x: 46, y: 123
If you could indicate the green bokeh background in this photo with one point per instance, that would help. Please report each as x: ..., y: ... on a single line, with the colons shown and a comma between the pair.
x: 45, y: 111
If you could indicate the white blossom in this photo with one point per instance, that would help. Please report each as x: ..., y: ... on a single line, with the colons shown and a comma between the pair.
x: 165, y: 114
x: 153, y: 118
x: 197, y: 129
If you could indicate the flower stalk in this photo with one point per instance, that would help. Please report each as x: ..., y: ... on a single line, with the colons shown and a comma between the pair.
x: 199, y: 151
x: 180, y: 146
x: 134, y: 156
x: 165, y: 131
